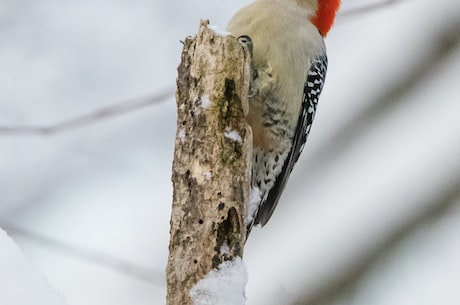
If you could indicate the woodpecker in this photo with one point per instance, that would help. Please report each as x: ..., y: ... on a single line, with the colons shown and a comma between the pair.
x: 289, y: 63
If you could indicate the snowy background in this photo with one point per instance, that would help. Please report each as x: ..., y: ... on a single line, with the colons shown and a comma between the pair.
x: 372, y: 211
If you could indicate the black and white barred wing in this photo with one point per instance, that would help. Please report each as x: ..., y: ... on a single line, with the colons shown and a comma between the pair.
x: 312, y: 90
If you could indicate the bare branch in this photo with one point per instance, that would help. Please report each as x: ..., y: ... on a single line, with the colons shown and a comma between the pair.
x: 367, y: 8
x: 440, y: 206
x: 443, y: 197
x: 140, y: 103
x: 91, y: 118
x: 151, y: 276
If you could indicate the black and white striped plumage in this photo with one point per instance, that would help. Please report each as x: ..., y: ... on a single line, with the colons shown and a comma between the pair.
x: 312, y: 90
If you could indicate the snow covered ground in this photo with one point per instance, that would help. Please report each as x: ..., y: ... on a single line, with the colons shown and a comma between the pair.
x: 20, y: 283
x: 371, y: 213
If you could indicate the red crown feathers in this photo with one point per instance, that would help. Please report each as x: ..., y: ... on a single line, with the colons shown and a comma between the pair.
x: 325, y: 15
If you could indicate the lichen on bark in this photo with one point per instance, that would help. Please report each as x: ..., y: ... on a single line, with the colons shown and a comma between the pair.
x: 211, y: 170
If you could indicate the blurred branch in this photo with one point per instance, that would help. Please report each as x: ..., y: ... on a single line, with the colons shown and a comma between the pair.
x: 91, y: 118
x: 441, y: 48
x: 444, y: 196
x: 136, y: 104
x: 367, y: 8
x: 343, y: 284
x: 151, y: 276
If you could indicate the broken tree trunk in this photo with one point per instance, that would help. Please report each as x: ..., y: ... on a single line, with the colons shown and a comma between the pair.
x: 212, y: 160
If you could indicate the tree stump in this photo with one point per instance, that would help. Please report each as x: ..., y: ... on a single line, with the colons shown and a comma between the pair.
x: 211, y: 172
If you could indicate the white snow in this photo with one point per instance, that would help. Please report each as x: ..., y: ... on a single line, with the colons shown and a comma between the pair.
x: 181, y: 135
x: 232, y: 135
x: 225, y: 286
x: 224, y: 249
x: 207, y: 175
x: 205, y: 101
x: 254, y: 199
x: 218, y: 31
x: 20, y: 283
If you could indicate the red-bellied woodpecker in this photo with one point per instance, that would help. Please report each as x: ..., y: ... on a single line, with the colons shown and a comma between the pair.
x: 289, y: 67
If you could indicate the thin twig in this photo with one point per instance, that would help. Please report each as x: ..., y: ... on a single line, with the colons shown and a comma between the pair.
x: 90, y: 118
x: 136, y: 104
x: 366, y: 8
x: 149, y: 275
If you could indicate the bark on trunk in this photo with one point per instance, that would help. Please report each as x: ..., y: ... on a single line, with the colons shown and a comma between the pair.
x: 212, y: 160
